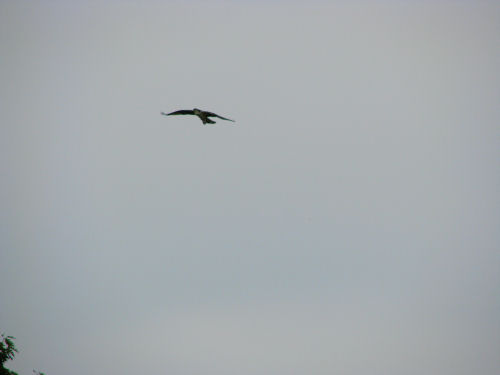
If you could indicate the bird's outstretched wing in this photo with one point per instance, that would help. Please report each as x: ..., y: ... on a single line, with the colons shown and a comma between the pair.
x: 181, y: 112
x: 211, y: 114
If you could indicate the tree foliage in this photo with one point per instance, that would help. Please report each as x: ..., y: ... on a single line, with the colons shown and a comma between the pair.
x: 7, y: 349
x: 7, y: 352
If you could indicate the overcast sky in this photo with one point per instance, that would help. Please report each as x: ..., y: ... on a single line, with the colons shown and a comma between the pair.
x: 347, y: 223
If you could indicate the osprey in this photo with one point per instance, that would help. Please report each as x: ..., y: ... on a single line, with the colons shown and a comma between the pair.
x: 203, y: 115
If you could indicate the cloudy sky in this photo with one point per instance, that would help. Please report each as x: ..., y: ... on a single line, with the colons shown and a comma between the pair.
x: 347, y: 223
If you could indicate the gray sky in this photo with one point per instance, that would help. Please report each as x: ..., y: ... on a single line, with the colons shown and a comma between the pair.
x: 346, y: 223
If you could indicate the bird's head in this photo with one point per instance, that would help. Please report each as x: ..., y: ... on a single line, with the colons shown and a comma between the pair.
x: 196, y: 111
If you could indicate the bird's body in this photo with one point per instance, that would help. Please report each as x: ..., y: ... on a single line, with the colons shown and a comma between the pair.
x: 203, y: 115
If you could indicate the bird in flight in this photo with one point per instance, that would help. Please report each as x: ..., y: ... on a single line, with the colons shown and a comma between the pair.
x: 203, y: 115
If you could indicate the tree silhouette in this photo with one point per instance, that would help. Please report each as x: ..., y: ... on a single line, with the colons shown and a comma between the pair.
x: 7, y: 352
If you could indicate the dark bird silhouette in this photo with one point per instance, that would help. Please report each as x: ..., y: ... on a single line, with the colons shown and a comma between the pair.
x: 203, y: 115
